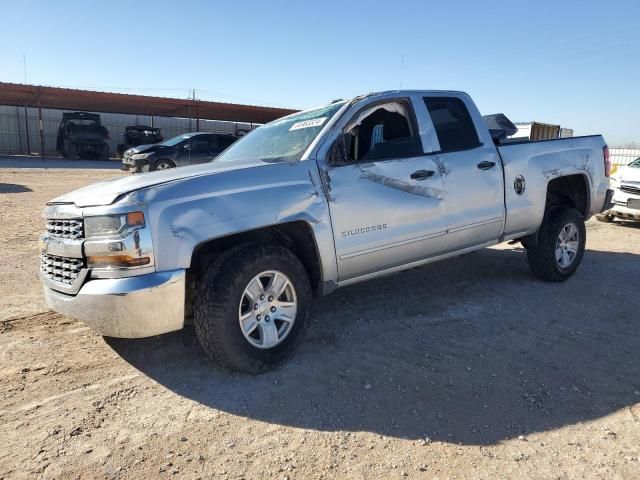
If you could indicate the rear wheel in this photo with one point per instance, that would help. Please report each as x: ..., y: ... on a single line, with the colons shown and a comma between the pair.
x: 104, y: 152
x: 560, y: 246
x: 251, y: 307
x: 163, y: 164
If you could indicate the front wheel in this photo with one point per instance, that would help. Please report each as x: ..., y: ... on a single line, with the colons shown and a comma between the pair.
x: 104, y: 152
x: 163, y: 164
x: 252, y: 307
x: 70, y: 151
x: 560, y: 246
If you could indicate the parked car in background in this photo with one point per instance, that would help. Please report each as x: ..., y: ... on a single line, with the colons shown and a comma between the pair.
x: 136, y: 135
x: 82, y: 135
x: 180, y: 151
x: 625, y: 203
x: 308, y: 203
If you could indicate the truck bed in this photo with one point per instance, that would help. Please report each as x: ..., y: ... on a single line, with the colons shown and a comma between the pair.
x: 538, y: 162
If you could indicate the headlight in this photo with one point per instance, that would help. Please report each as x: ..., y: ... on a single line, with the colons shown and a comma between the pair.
x: 118, y: 242
x: 140, y: 156
x: 112, y: 224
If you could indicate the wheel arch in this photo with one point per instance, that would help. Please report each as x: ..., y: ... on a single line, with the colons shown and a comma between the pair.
x: 564, y: 191
x: 297, y: 236
x: 570, y: 191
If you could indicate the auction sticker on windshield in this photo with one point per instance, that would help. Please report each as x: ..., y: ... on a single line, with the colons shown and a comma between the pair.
x: 308, y: 123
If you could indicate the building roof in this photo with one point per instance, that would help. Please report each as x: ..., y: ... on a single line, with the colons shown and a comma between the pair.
x: 90, y: 101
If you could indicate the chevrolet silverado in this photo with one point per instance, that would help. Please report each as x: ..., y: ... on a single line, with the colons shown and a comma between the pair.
x: 314, y: 201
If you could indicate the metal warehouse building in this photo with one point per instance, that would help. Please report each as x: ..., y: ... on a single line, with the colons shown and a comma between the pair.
x: 30, y: 115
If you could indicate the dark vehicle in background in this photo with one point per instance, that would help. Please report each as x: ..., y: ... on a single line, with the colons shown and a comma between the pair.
x: 82, y: 135
x: 180, y: 151
x: 136, y: 135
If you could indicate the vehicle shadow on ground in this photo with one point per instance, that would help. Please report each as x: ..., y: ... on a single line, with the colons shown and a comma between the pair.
x: 473, y: 350
x: 13, y: 188
x: 627, y: 223
x: 52, y: 162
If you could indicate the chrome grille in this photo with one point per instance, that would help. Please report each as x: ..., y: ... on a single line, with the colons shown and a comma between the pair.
x: 630, y: 189
x: 60, y: 269
x: 65, y: 227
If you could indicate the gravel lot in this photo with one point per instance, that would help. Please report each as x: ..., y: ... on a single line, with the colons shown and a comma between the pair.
x: 468, y: 368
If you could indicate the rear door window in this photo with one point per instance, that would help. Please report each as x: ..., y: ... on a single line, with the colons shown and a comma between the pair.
x: 224, y: 142
x: 453, y: 124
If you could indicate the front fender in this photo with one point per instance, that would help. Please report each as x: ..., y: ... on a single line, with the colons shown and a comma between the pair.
x: 186, y: 213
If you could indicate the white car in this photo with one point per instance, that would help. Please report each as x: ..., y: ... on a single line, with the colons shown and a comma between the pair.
x: 625, y: 203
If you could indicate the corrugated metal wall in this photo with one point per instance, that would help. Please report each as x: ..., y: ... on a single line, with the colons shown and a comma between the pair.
x: 14, y: 127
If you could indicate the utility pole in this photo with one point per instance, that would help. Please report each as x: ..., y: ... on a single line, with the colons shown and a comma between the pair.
x: 26, y: 128
x: 197, y: 111
x: 41, y: 125
x: 190, y: 112
x: 26, y: 118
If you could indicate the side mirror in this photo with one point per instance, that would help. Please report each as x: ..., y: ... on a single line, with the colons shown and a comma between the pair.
x: 338, y: 152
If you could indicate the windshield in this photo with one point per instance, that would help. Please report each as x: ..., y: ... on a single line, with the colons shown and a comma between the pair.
x: 172, y: 142
x: 635, y: 163
x: 83, y: 122
x: 285, y: 139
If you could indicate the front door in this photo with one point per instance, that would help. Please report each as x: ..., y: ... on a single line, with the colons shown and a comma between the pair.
x: 198, y: 150
x: 385, y: 199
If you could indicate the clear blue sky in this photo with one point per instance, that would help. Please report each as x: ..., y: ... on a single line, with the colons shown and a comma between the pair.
x: 576, y: 63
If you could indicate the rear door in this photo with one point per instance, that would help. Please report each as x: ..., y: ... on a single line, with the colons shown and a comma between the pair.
x: 472, y: 173
x: 385, y: 198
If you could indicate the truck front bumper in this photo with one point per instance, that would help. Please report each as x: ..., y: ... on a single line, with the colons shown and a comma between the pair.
x: 623, y: 205
x: 132, y: 307
x: 622, y: 211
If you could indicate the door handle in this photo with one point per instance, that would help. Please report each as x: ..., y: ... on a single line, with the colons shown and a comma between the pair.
x: 486, y: 165
x: 422, y: 174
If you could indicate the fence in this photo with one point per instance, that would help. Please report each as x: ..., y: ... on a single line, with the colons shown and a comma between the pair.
x: 20, y: 128
x: 623, y: 156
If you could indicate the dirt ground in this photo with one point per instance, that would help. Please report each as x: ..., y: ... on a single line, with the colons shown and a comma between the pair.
x: 467, y: 369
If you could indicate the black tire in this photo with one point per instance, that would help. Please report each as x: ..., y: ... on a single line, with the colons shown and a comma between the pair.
x: 104, y: 152
x: 163, y: 161
x: 542, y: 256
x: 217, y: 302
x: 70, y: 151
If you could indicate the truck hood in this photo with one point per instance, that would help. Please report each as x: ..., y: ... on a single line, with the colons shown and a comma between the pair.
x: 148, y: 147
x: 105, y: 193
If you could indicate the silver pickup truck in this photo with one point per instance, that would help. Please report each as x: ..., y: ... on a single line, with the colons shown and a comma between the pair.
x: 314, y: 201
